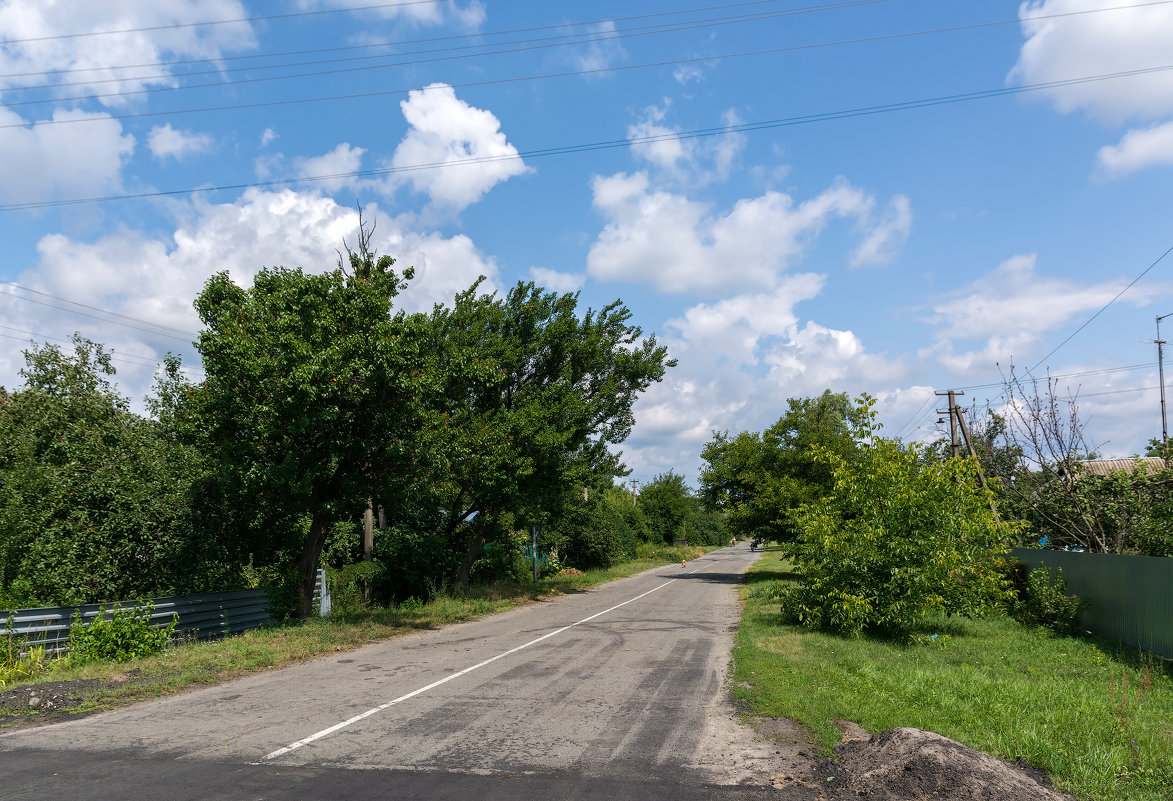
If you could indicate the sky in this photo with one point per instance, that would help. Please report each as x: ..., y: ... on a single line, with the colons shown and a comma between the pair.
x: 897, y: 197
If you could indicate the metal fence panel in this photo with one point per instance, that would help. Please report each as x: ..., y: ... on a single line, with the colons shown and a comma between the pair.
x: 201, y: 617
x: 1130, y: 597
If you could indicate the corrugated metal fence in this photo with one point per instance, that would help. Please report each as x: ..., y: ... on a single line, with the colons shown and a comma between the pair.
x: 201, y: 617
x: 1130, y: 597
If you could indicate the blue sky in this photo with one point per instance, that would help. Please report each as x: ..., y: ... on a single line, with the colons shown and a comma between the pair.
x: 812, y: 236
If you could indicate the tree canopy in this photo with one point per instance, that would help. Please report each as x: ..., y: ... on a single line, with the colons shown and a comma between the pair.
x: 760, y: 479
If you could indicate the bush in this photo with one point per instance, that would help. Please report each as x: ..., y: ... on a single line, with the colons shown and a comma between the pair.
x: 1043, y: 601
x: 122, y: 634
x: 355, y: 587
x: 897, y: 538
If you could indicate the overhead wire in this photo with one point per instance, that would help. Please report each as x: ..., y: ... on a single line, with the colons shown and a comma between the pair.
x: 102, y: 319
x: 400, y: 43
x: 208, y: 23
x: 1089, y: 320
x: 597, y: 37
x: 576, y: 39
x: 128, y: 358
x: 99, y: 309
x: 608, y: 144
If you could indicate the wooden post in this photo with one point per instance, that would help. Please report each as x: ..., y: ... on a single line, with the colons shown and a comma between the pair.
x: 368, y: 532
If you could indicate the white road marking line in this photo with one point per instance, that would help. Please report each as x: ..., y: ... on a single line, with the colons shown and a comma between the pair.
x: 446, y: 679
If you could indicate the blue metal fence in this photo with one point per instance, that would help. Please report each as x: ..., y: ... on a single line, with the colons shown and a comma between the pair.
x: 200, y: 617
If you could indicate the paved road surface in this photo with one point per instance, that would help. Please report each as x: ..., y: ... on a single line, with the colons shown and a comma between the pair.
x: 617, y: 692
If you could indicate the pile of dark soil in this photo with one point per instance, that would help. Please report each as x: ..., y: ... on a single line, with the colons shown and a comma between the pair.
x: 903, y: 764
x: 51, y: 700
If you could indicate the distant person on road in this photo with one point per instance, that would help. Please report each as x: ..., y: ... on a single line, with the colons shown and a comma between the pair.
x: 732, y: 542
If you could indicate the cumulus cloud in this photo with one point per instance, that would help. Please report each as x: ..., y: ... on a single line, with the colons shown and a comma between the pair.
x: 679, y: 245
x: 740, y: 357
x: 447, y: 132
x: 339, y: 163
x: 469, y: 15
x: 267, y: 137
x: 166, y: 142
x: 89, y: 58
x: 1097, y: 44
x: 694, y: 161
x: 557, y: 281
x: 885, y: 240
x: 43, y: 161
x: 1008, y: 310
x: 1137, y: 150
x: 156, y: 278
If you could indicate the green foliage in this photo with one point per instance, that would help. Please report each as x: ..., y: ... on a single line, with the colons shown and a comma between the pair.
x: 314, y: 394
x: 1043, y: 600
x: 896, y: 539
x: 671, y: 513
x: 595, y: 535
x: 95, y: 501
x: 357, y: 586
x: 119, y: 635
x: 761, y: 480
x: 554, y: 392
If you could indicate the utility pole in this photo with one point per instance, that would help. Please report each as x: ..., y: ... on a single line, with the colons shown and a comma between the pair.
x: 1161, y: 371
x: 955, y: 420
x: 634, y: 484
x: 952, y: 420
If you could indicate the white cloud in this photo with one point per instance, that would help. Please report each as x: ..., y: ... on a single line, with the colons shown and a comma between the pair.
x: 884, y: 242
x: 157, y: 278
x: 678, y: 245
x: 740, y: 358
x: 469, y: 15
x: 166, y: 142
x: 1008, y: 310
x: 557, y: 281
x: 267, y: 137
x: 1138, y: 149
x: 1097, y: 44
x: 692, y: 161
x: 339, y: 162
x: 447, y: 131
x: 94, y: 55
x: 603, y: 51
x: 45, y: 161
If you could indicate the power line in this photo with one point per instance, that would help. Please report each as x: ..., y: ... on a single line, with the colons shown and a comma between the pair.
x: 179, y: 25
x: 913, y: 416
x: 1102, y: 309
x: 101, y: 319
x: 597, y: 37
x: 1032, y: 380
x: 398, y: 43
x: 863, y: 111
x: 128, y: 358
x: 99, y: 309
x: 591, y: 37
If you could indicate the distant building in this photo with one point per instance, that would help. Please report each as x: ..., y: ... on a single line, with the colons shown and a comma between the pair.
x: 1151, y: 465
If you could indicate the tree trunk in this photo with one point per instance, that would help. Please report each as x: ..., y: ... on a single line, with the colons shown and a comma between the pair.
x: 319, y: 526
x: 474, y: 550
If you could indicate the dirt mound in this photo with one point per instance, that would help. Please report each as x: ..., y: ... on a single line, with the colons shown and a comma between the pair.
x: 902, y: 764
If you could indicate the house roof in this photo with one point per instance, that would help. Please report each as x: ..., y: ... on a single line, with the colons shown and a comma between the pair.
x: 1151, y: 465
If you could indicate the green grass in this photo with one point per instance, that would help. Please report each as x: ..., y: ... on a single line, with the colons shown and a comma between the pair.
x: 1097, y: 717
x: 185, y: 665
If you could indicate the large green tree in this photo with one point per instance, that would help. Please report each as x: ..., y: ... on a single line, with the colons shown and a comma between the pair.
x: 539, y: 418
x: 94, y: 499
x: 316, y: 393
x: 760, y: 479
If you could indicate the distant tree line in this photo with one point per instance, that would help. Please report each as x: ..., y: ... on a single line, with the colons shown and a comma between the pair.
x: 453, y: 430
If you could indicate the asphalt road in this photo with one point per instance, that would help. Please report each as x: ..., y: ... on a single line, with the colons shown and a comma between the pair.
x: 617, y: 692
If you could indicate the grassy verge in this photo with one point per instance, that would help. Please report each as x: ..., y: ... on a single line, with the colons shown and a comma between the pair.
x: 101, y: 685
x: 1097, y: 717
